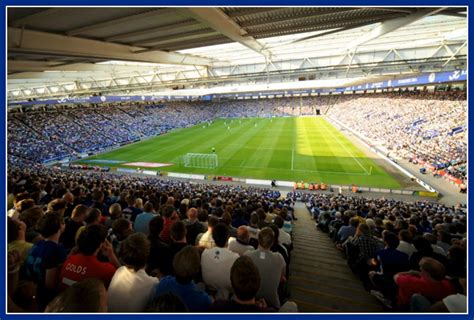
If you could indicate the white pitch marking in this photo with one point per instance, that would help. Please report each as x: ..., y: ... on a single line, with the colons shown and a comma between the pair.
x: 349, y: 152
x: 292, y: 157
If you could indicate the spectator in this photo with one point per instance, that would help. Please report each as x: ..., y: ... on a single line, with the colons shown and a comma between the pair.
x: 284, y: 238
x: 271, y: 266
x: 390, y: 262
x: 240, y: 245
x: 406, y: 245
x: 88, y: 295
x: 16, y: 239
x: 144, y: 218
x: 57, y: 205
x: 347, y: 231
x: 115, y: 212
x: 202, y: 217
x: 178, y: 242
x: 193, y: 226
x: 444, y: 240
x: 21, y: 202
x: 238, y: 219
x: 31, y: 217
x: 130, y: 211
x: 68, y: 197
x: 218, y: 258
x: 245, y: 280
x: 205, y: 240
x: 456, y: 267
x: 432, y: 239
x: 167, y: 303
x: 287, y: 220
x: 68, y: 237
x: 360, y: 250
x: 452, y: 303
x: 253, y: 229
x: 121, y: 229
x: 46, y: 257
x: 93, y: 217
x: 227, y: 220
x: 159, y: 250
x: 186, y: 266
x: 430, y: 282
x: 170, y: 216
x: 424, y: 249
x: 131, y: 277
x: 84, y: 263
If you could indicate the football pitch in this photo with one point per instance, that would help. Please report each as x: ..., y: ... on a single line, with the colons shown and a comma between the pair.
x: 306, y: 149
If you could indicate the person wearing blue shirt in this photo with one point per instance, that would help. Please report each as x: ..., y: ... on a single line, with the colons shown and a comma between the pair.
x: 143, y: 219
x: 186, y: 265
x: 45, y: 258
x: 347, y: 231
x: 391, y: 262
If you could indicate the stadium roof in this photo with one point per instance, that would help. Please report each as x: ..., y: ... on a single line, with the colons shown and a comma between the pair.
x: 64, y: 50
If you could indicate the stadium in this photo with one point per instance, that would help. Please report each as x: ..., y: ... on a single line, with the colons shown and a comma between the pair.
x: 236, y: 159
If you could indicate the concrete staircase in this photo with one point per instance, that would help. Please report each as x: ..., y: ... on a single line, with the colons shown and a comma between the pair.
x: 320, y: 280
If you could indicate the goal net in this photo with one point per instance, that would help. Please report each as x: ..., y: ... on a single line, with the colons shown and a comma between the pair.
x: 200, y: 160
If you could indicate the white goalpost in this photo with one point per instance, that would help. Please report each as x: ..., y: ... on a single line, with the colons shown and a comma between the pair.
x: 200, y: 160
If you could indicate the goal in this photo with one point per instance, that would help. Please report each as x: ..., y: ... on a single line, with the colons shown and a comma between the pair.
x: 200, y: 160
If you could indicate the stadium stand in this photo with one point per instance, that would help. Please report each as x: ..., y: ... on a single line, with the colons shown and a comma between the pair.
x: 285, y: 94
x: 435, y: 236
x: 422, y: 127
x: 434, y: 135
x: 397, y: 249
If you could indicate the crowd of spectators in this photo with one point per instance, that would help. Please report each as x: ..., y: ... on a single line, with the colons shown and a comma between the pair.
x: 417, y: 126
x: 96, y: 242
x: 28, y: 144
x: 411, y: 256
x: 41, y: 136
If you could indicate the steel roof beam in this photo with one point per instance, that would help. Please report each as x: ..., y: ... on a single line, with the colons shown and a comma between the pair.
x: 40, y: 66
x: 114, y: 22
x: 392, y: 25
x: 219, y: 21
x: 144, y: 32
x: 203, y: 42
x: 36, y: 42
x: 175, y: 37
x: 35, y: 17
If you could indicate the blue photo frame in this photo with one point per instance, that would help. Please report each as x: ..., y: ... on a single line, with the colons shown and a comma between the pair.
x: 383, y: 316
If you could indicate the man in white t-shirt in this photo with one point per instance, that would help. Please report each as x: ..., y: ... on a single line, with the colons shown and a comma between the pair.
x: 253, y: 227
x: 130, y: 286
x: 216, y: 263
x: 240, y: 245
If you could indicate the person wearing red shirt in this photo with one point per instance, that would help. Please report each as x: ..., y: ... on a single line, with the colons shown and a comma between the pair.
x: 430, y: 283
x: 170, y: 216
x: 84, y: 264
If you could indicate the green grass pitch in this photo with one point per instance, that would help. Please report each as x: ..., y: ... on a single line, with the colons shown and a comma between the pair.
x: 293, y: 149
